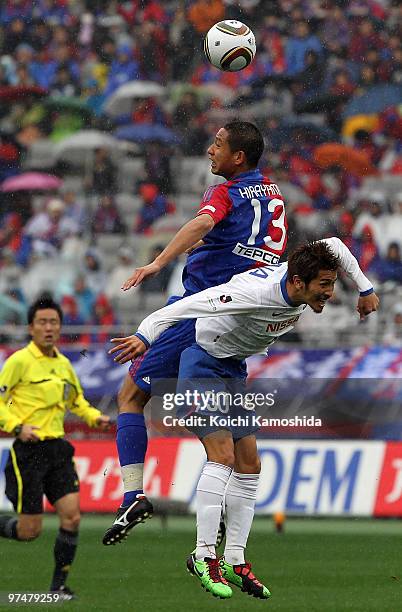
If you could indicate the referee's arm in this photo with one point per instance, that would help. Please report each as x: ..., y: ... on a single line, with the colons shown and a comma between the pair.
x: 81, y: 407
x: 10, y: 376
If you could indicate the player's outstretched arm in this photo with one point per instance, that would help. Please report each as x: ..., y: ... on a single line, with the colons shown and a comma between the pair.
x: 368, y: 300
x: 190, y: 234
x: 240, y: 295
x: 349, y: 264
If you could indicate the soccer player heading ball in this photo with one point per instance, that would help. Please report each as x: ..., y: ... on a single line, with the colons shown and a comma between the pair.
x: 240, y: 224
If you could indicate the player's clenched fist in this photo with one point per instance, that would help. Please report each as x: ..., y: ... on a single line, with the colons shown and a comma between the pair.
x: 129, y: 347
x: 367, y: 304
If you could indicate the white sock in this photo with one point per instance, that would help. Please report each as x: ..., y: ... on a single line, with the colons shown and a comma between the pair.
x: 210, y: 490
x: 132, y: 475
x: 240, y: 497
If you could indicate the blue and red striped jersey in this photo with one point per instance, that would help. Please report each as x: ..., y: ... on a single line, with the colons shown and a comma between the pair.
x: 250, y: 231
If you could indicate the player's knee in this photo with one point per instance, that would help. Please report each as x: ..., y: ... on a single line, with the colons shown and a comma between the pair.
x: 227, y: 458
x: 27, y: 533
x: 255, y: 466
x: 130, y: 400
x: 250, y: 465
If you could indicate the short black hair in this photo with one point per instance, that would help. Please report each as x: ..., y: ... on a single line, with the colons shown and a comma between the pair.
x: 309, y: 258
x: 42, y: 303
x: 246, y: 137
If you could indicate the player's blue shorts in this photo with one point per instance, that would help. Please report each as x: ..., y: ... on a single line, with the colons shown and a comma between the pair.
x: 221, y: 387
x: 162, y: 359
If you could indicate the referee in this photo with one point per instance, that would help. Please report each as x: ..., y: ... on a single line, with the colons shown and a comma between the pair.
x: 37, y: 386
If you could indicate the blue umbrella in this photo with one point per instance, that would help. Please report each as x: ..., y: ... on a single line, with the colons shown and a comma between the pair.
x: 375, y: 100
x: 147, y: 133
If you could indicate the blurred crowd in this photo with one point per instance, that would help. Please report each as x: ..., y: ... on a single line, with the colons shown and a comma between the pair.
x: 325, y: 88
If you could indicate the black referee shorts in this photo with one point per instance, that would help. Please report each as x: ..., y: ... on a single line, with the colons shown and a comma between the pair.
x: 35, y: 469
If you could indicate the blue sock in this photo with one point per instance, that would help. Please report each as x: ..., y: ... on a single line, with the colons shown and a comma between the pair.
x: 132, y: 443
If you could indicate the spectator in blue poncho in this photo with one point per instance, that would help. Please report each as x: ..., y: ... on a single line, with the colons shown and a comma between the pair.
x: 298, y: 45
x: 123, y: 69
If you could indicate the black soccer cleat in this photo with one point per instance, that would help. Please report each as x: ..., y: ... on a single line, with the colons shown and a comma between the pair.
x: 64, y: 593
x: 128, y: 517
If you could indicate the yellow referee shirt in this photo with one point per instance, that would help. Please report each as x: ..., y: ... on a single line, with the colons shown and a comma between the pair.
x: 38, y: 390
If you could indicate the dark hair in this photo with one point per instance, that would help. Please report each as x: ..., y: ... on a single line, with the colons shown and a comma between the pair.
x: 309, y: 258
x: 42, y: 303
x: 246, y: 137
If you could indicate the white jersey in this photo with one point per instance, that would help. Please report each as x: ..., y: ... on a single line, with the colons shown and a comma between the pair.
x: 247, y: 314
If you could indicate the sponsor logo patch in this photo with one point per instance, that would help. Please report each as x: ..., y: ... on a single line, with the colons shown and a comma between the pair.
x: 256, y: 254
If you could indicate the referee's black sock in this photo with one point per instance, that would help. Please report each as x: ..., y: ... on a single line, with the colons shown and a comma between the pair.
x: 64, y: 552
x: 8, y: 527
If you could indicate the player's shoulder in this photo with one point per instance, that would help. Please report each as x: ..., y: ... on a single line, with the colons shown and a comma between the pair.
x: 216, y: 192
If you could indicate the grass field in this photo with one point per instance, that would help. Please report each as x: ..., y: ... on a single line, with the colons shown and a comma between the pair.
x: 314, y: 566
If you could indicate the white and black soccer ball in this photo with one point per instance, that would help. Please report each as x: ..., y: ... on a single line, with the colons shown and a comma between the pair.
x: 230, y: 45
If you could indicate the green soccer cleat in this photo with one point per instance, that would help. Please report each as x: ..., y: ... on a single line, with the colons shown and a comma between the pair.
x: 242, y: 577
x: 209, y: 574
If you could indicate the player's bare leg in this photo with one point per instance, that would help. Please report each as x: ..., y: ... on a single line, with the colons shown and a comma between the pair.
x: 240, y: 499
x: 132, y: 446
x: 131, y: 398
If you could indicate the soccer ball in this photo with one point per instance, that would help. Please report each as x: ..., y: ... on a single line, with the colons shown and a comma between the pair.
x: 230, y: 45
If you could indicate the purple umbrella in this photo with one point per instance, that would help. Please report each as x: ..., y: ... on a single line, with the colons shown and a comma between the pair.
x: 31, y: 181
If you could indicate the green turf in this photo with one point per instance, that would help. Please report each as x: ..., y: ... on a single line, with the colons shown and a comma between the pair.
x: 314, y: 566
